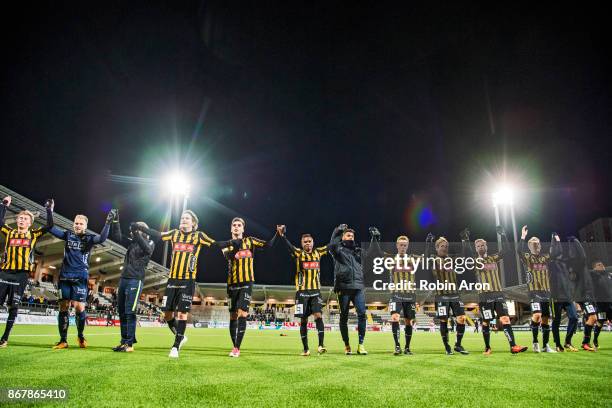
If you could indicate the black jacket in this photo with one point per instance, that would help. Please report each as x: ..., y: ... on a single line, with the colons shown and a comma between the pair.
x: 138, y: 255
x: 348, y: 273
x: 602, y: 283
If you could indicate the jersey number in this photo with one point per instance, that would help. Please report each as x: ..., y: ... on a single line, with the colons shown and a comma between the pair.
x: 535, y: 307
x: 487, y: 314
x: 299, y: 309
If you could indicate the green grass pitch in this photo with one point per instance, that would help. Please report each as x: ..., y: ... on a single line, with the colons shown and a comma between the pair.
x: 270, y: 371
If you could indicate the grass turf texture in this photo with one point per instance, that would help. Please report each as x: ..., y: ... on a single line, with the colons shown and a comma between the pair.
x: 270, y: 371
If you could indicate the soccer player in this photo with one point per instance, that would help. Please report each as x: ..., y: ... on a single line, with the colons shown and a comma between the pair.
x: 348, y: 283
x: 74, y: 275
x: 186, y: 242
x: 137, y: 257
x: 602, y: 282
x: 538, y: 284
x: 403, y: 294
x: 240, y: 254
x: 584, y: 292
x: 447, y: 299
x: 492, y: 302
x: 308, y: 299
x: 562, y: 299
x: 18, y: 259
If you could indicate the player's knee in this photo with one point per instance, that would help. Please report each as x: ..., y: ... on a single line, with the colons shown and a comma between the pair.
x: 317, y: 315
x: 591, y: 320
x: 536, y: 317
x: 504, y: 320
x: 395, y: 317
x: 181, y: 316
x: 461, y: 319
x: 408, y: 322
x: 485, y: 323
x: 168, y: 315
x: 544, y: 320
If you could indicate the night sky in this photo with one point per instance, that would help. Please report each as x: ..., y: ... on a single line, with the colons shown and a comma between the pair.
x: 310, y: 115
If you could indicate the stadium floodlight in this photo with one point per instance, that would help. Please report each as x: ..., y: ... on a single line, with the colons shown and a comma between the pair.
x: 176, y: 184
x: 503, y: 196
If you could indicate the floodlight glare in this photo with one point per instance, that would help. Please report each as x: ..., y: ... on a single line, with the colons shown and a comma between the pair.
x: 177, y: 184
x: 503, y: 196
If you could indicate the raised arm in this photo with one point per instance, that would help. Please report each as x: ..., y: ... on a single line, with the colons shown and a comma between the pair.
x: 292, y: 249
x: 154, y: 234
x: 336, y: 239
x: 99, y: 239
x: 116, y: 232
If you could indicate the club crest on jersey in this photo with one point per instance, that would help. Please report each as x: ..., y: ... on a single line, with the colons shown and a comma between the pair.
x: 243, y: 253
x: 19, y: 242
x: 182, y: 247
x: 310, y: 265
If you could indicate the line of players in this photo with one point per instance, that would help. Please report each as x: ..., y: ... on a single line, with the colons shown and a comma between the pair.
x: 239, y: 251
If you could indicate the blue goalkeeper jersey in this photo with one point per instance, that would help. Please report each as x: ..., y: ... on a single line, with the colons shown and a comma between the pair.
x: 77, y: 250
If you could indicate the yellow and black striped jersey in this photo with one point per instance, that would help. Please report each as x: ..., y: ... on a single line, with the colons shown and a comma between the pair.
x: 404, y: 275
x: 240, y: 260
x: 308, y: 268
x: 19, y: 248
x: 443, y: 274
x: 489, y: 274
x: 185, y: 251
x: 537, y: 271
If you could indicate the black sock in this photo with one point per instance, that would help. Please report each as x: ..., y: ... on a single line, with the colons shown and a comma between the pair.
x: 555, y: 332
x: 408, y: 334
x: 63, y: 321
x: 304, y: 332
x: 240, y: 331
x: 361, y: 327
x: 596, y: 331
x: 320, y: 330
x: 395, y: 327
x: 444, y: 333
x: 545, y: 334
x: 587, y: 334
x: 344, y: 330
x: 232, y: 329
x: 486, y: 335
x: 509, y: 334
x: 10, y: 321
x: 81, y: 319
x: 460, y: 332
x: 571, y: 328
x: 534, y: 330
x: 180, y: 325
x: 172, y: 325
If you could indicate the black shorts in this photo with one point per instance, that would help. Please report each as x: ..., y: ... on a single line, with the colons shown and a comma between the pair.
x: 12, y: 286
x: 443, y: 309
x: 308, y: 302
x: 556, y: 308
x: 493, y: 310
x: 239, y: 297
x: 178, y: 295
x: 588, y: 308
x: 604, y: 311
x: 540, y: 307
x: 399, y: 304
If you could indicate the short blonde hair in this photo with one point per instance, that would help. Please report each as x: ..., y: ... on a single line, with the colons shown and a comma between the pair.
x: 533, y: 239
x: 28, y: 213
x: 402, y: 238
x: 193, y: 216
x: 239, y: 220
x: 83, y: 217
x: 441, y: 240
x: 480, y: 240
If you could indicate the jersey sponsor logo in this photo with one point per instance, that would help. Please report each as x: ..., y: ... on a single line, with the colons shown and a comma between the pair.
x: 310, y: 265
x: 490, y: 266
x: 243, y: 253
x: 539, y: 267
x: 74, y: 244
x: 19, y: 242
x: 182, y: 247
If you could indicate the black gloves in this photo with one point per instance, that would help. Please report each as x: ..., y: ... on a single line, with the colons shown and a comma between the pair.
x: 375, y: 233
x: 465, y: 234
x: 500, y: 230
x: 111, y: 216
x: 430, y: 237
x: 50, y: 204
